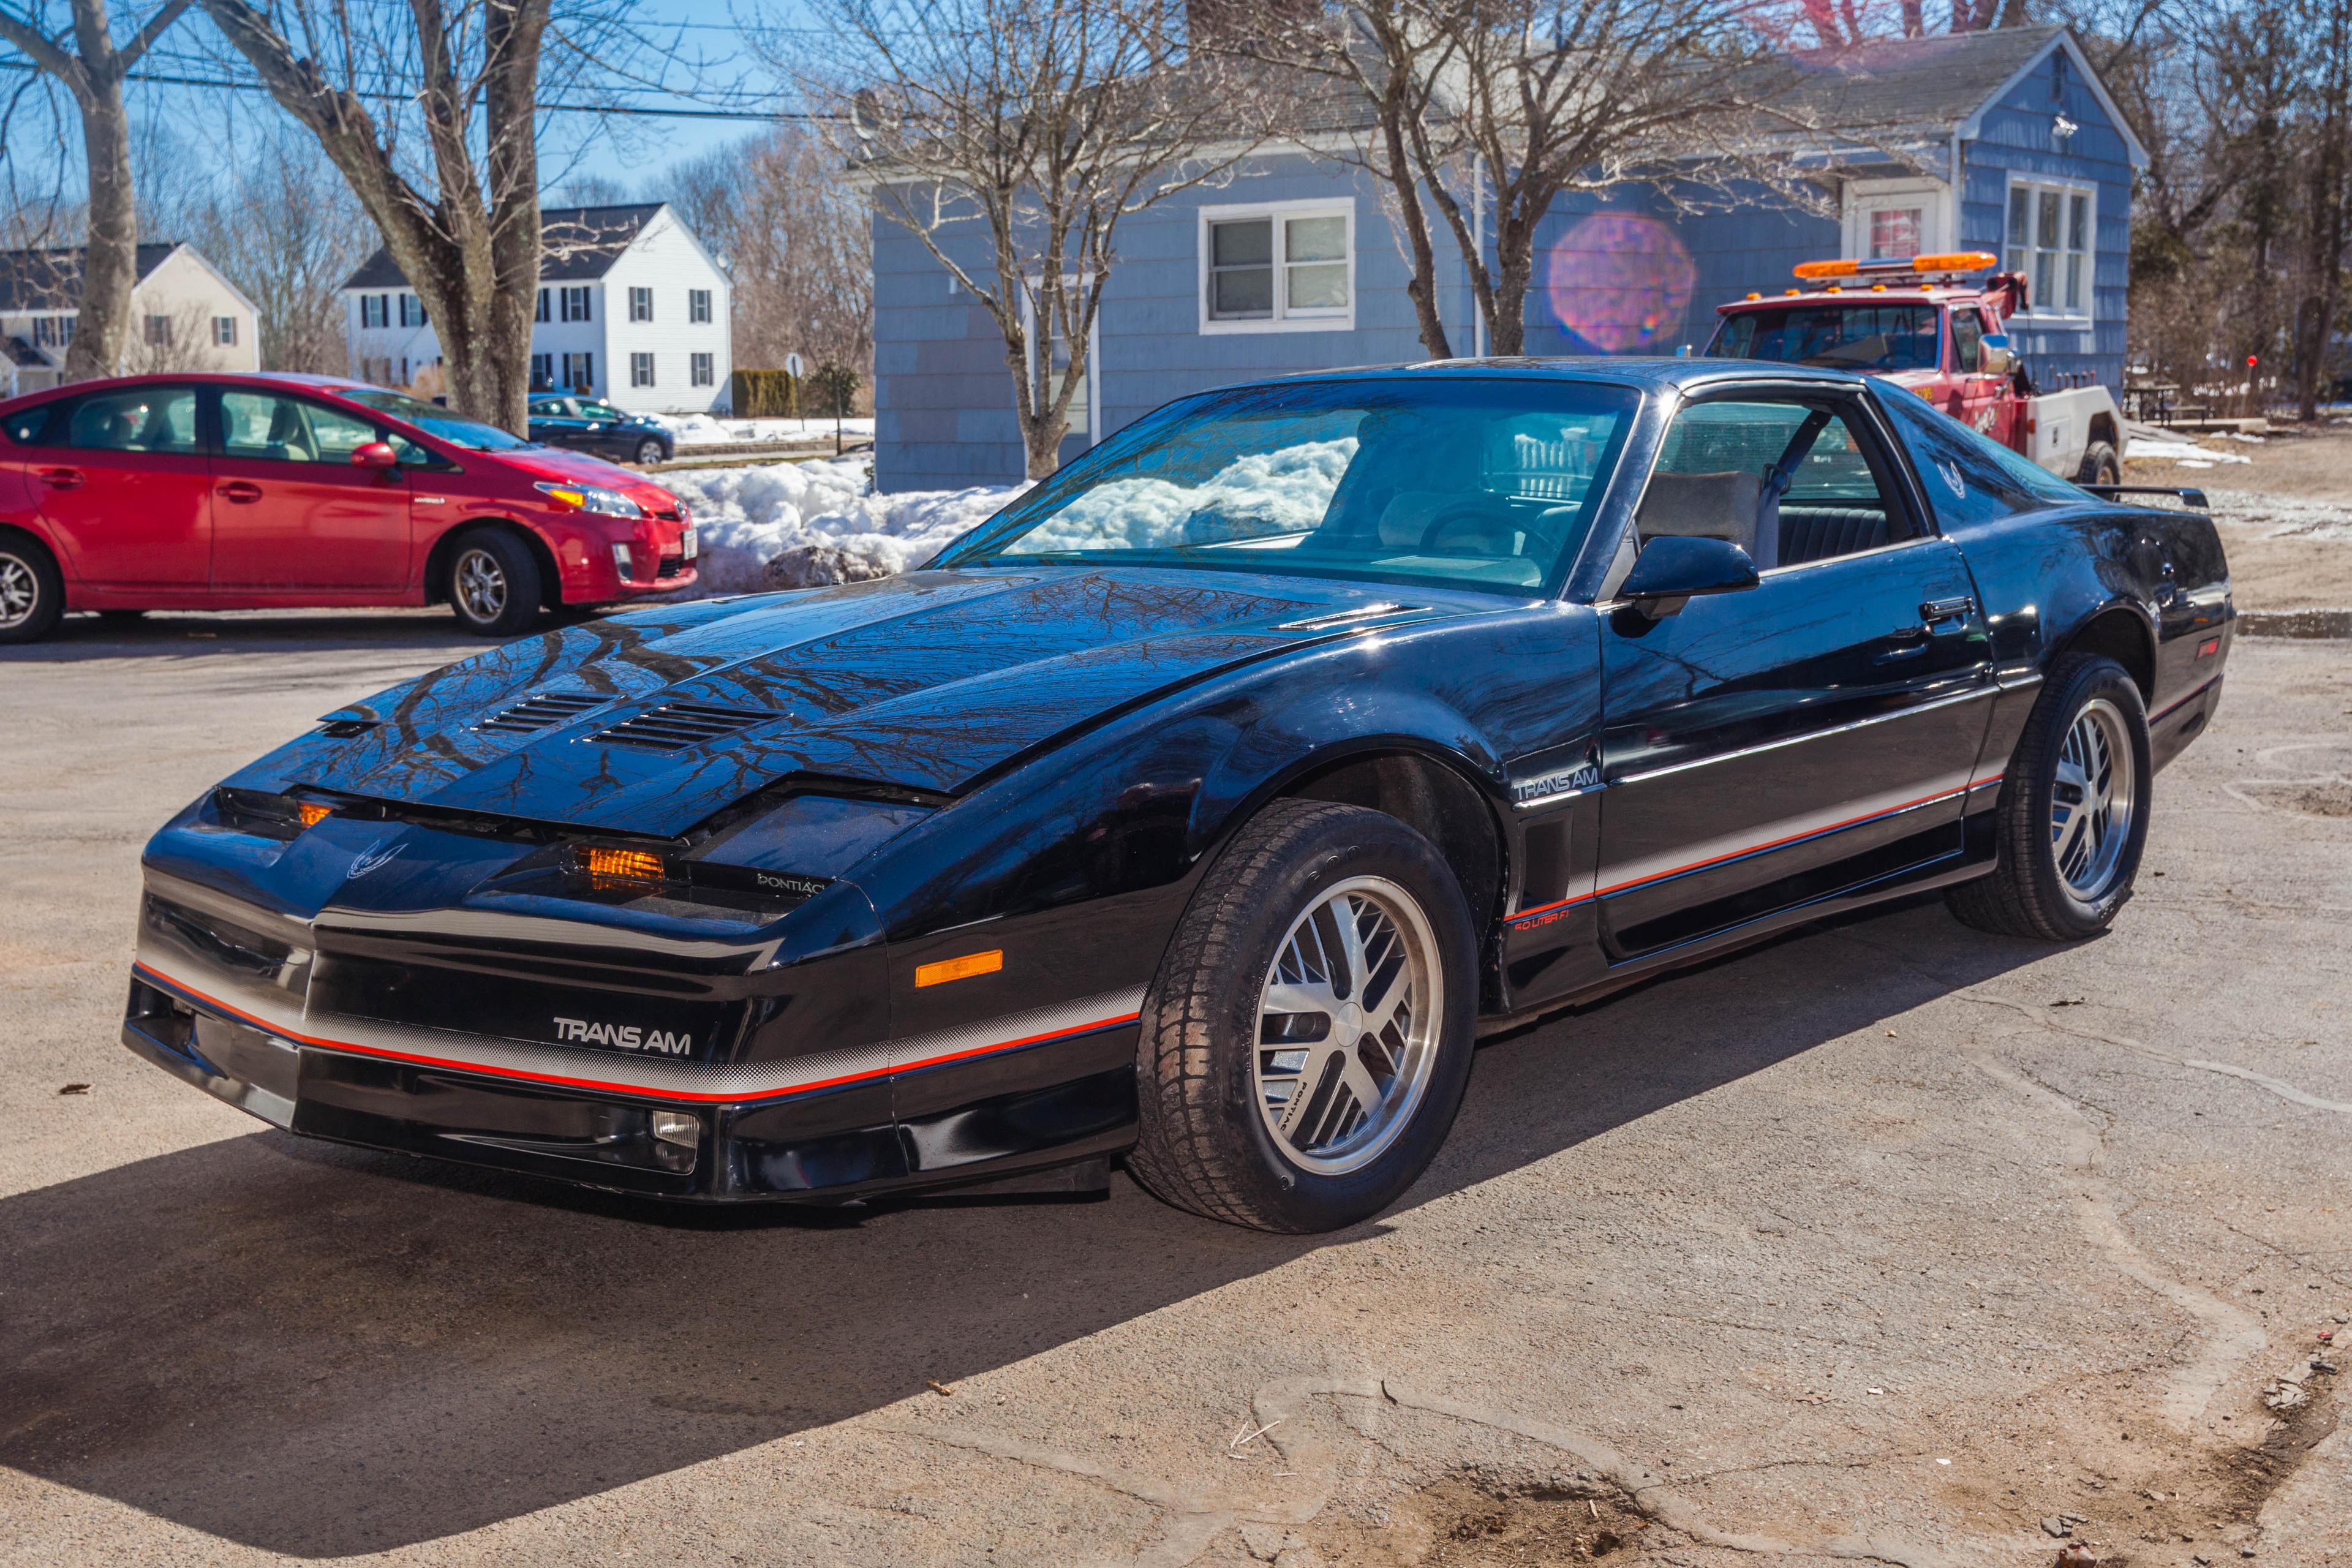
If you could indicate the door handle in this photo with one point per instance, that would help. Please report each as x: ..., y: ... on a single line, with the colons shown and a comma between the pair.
x: 241, y: 491
x: 62, y: 478
x: 1950, y: 609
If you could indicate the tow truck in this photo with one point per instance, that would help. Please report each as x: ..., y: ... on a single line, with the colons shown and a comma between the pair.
x: 1919, y: 322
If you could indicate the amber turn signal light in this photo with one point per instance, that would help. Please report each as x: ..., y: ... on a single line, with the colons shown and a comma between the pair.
x: 313, y: 812
x: 624, y: 865
x: 963, y: 968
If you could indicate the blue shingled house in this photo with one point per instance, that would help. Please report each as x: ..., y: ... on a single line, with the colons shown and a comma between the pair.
x: 2011, y: 145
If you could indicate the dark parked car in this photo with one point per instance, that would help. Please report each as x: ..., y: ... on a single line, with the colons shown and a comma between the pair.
x: 588, y: 425
x: 1201, y: 807
x: 239, y: 492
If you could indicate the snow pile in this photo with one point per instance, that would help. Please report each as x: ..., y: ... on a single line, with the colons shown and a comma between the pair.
x: 797, y: 525
x: 715, y: 430
x: 1283, y: 491
x: 2190, y: 453
x: 2283, y: 517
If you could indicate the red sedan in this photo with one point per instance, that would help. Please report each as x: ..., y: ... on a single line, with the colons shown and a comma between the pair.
x: 239, y: 492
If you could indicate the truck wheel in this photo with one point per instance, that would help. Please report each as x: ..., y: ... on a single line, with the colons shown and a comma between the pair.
x: 2099, y: 466
x: 493, y: 583
x: 32, y: 591
x: 2073, y: 817
x: 1307, y: 1043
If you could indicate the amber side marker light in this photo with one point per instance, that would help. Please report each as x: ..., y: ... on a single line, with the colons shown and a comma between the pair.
x: 963, y: 968
x: 312, y: 811
x: 621, y: 865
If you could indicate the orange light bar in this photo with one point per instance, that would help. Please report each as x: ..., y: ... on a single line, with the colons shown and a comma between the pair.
x: 963, y: 968
x: 624, y: 865
x: 1943, y: 261
x: 313, y: 812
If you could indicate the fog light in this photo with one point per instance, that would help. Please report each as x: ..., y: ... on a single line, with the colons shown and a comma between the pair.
x: 682, y: 1128
x: 621, y: 562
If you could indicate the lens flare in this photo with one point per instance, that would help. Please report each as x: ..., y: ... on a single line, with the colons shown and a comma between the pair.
x: 1621, y: 283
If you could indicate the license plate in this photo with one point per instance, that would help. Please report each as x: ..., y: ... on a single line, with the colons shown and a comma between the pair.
x: 689, y: 542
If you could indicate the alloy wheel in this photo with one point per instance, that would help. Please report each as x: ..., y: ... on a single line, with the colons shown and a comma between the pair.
x: 2092, y: 801
x: 480, y: 584
x: 1348, y: 1019
x: 20, y: 592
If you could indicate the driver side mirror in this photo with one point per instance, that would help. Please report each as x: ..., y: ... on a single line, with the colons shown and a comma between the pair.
x: 1673, y: 569
x: 374, y: 454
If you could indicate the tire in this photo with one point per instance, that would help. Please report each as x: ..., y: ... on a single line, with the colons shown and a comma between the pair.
x: 649, y: 451
x: 2100, y: 465
x: 32, y: 590
x: 2060, y: 873
x: 493, y: 585
x: 1210, y: 1097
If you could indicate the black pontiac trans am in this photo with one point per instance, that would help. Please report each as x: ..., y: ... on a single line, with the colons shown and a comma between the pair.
x: 1202, y: 808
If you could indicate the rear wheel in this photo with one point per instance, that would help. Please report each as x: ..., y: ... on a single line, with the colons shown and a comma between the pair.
x: 2099, y: 466
x: 494, y: 583
x: 649, y: 451
x: 2073, y: 817
x: 1306, y: 1046
x: 32, y: 592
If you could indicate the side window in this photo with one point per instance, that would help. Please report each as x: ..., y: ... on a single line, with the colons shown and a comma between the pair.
x: 1789, y: 482
x: 144, y: 419
x: 1968, y: 477
x: 24, y: 426
x: 265, y: 427
x: 413, y: 456
x: 1967, y: 341
x: 600, y: 410
x: 335, y: 434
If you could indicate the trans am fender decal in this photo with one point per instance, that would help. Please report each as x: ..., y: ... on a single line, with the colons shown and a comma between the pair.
x: 696, y: 1082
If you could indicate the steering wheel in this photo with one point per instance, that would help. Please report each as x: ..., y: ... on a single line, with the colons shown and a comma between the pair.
x: 1489, y: 525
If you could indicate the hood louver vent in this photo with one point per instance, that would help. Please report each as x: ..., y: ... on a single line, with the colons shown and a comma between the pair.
x: 674, y: 726
x: 539, y: 712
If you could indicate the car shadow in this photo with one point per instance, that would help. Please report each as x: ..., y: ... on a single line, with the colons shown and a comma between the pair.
x: 189, y: 634
x: 320, y: 1351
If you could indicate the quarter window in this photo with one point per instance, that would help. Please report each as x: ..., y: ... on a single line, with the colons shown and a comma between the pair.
x: 1288, y: 266
x: 2051, y: 240
x: 1788, y: 482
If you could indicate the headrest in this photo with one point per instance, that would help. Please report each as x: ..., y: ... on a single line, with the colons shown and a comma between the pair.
x: 1702, y: 506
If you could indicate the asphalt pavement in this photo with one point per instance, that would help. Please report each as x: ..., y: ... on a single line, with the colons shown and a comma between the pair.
x: 1890, y: 1241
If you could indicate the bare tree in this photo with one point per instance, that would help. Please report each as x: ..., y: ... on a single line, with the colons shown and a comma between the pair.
x: 463, y: 227
x: 796, y: 239
x: 283, y: 226
x: 1032, y: 129
x: 1488, y: 112
x: 83, y: 55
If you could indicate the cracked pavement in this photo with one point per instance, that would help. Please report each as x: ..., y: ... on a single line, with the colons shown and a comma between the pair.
x: 1891, y: 1241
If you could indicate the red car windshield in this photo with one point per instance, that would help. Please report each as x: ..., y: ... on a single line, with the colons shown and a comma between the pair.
x: 432, y: 418
x: 1873, y: 337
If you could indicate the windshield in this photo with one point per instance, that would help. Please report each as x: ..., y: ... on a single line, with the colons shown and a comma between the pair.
x: 1485, y: 485
x: 1844, y: 337
x: 432, y: 418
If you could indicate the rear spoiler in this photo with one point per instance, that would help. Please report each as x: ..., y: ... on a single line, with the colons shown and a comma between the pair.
x: 2188, y: 495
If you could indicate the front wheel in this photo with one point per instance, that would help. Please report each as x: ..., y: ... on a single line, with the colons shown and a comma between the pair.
x: 494, y: 583
x: 1308, y: 1041
x: 2073, y: 817
x: 2099, y: 466
x: 649, y: 452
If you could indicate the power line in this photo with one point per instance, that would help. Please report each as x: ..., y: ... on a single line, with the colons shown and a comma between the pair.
x: 638, y: 110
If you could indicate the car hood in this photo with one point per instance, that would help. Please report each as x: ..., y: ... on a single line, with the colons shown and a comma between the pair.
x: 558, y: 463
x: 651, y: 722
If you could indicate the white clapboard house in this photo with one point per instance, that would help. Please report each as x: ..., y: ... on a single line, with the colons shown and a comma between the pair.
x: 184, y: 315
x: 632, y: 309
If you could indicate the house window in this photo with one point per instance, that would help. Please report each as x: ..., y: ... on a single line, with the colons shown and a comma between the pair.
x: 225, y: 331
x: 411, y: 311
x: 542, y: 366
x: 52, y: 332
x: 2052, y: 230
x: 539, y: 313
x: 159, y: 331
x: 1895, y: 232
x: 1896, y: 219
x: 698, y: 368
x: 1289, y: 266
x: 641, y: 304
x: 697, y: 305
x: 576, y: 304
x: 641, y: 366
x: 580, y: 369
x: 375, y: 310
